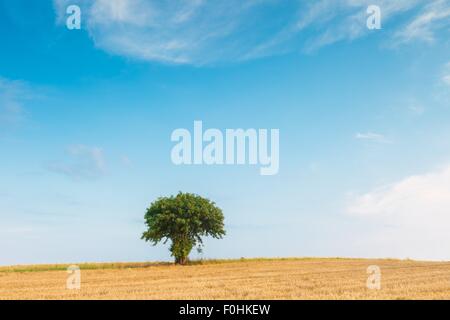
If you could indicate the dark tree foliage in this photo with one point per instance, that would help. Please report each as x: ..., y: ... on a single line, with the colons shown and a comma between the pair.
x: 183, y: 219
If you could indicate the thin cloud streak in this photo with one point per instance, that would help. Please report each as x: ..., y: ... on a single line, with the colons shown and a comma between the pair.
x: 376, y: 137
x: 13, y: 95
x: 436, y: 15
x: 83, y: 162
x: 201, y: 32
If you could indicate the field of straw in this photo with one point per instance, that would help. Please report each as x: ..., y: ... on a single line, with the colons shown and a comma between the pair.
x: 307, y: 278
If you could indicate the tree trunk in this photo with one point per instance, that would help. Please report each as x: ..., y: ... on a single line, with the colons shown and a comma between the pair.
x: 181, y: 260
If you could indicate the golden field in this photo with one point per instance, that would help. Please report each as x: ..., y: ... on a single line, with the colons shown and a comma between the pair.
x: 302, y: 278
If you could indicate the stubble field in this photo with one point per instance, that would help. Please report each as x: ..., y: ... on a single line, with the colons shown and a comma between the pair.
x: 305, y: 278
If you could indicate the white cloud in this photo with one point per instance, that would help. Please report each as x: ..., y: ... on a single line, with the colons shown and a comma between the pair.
x: 345, y: 20
x: 416, y: 108
x: 201, y: 32
x: 411, y: 216
x: 134, y: 13
x: 446, y: 79
x: 446, y: 75
x: 16, y: 230
x: 83, y: 162
x: 173, y: 31
x: 436, y: 15
x: 377, y: 137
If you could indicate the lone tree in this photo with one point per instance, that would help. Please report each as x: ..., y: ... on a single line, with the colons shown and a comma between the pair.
x: 183, y: 219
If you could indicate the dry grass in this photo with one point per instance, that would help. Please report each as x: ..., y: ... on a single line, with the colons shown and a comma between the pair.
x: 235, y: 279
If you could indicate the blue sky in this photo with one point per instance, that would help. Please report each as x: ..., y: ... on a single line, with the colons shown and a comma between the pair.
x: 86, y: 117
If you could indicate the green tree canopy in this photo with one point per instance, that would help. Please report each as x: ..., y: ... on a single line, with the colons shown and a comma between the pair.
x: 183, y: 219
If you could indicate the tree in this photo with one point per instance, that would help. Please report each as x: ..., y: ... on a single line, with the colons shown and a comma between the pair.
x: 183, y: 219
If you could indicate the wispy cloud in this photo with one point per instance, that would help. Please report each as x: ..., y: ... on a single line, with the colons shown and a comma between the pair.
x: 201, y: 32
x: 345, y: 20
x: 13, y: 94
x: 416, y: 108
x: 82, y: 162
x: 446, y: 75
x: 18, y: 230
x: 416, y: 211
x: 446, y: 79
x: 435, y: 16
x: 175, y: 31
x: 371, y: 136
